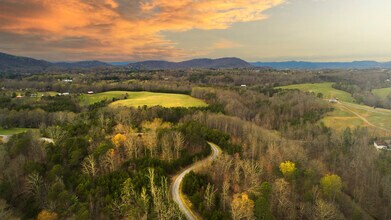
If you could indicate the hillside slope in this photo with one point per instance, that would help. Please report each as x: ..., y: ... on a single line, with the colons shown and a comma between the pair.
x: 225, y: 63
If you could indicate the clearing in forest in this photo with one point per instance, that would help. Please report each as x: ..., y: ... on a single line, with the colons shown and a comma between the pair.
x: 382, y: 93
x: 325, y: 88
x: 135, y: 99
x: 13, y: 131
x: 347, y: 113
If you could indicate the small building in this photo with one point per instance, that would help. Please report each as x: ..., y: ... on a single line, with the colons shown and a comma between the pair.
x: 19, y: 97
x: 90, y: 92
x: 243, y: 85
x: 63, y: 94
x: 333, y: 100
x: 67, y: 80
x: 388, y: 80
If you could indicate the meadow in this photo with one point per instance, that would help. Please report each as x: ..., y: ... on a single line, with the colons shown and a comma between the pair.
x: 135, y: 99
x: 346, y: 113
x: 325, y: 88
x: 382, y: 93
x: 13, y: 131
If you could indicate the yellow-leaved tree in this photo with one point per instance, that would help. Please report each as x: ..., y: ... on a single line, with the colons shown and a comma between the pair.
x: 288, y: 168
x: 47, y: 215
x: 242, y: 207
x: 331, y: 185
x: 119, y: 140
x: 155, y: 124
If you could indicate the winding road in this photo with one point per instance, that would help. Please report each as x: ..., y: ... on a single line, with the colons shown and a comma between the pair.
x: 176, y: 186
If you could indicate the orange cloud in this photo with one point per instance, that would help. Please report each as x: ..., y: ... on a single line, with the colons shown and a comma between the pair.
x: 225, y: 44
x: 115, y: 29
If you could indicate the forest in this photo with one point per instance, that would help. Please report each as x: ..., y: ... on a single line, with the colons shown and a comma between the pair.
x: 278, y: 161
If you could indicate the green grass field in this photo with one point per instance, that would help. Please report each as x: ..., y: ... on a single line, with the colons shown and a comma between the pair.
x: 97, y: 97
x: 324, y: 88
x: 347, y: 113
x: 13, y: 131
x: 382, y: 93
x: 136, y: 99
x: 39, y: 94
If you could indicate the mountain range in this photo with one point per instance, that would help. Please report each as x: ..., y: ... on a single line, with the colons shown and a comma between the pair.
x: 228, y: 63
x: 11, y: 63
x: 323, y: 65
x: 25, y: 64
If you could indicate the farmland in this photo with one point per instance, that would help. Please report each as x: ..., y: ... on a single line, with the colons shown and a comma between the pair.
x: 346, y: 113
x: 382, y: 93
x: 135, y: 99
x: 324, y: 88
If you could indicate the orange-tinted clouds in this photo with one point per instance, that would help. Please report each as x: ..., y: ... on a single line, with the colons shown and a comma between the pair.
x: 115, y: 29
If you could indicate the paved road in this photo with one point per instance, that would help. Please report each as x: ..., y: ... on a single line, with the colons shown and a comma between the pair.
x: 176, y: 186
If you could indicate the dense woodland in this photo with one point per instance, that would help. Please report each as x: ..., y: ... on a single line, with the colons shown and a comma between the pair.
x: 278, y: 161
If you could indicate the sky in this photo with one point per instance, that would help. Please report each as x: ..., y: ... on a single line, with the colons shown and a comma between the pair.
x: 176, y: 30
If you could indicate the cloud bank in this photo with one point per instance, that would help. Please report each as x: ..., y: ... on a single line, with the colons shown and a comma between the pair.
x: 115, y: 29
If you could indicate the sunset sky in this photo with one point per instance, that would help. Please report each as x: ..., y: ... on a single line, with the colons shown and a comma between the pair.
x: 254, y: 30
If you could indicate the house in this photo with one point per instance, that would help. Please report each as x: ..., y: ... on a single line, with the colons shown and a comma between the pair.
x: 90, y: 92
x: 243, y: 85
x: 67, y: 80
x: 333, y: 100
x: 19, y: 97
x: 382, y: 145
x: 64, y: 93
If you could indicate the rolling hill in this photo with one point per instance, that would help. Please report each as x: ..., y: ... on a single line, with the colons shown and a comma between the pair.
x: 225, y: 63
x: 11, y: 63
x: 323, y: 65
x: 82, y: 64
x: 16, y: 63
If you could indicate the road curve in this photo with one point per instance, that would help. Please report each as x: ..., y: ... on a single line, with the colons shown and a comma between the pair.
x: 176, y: 186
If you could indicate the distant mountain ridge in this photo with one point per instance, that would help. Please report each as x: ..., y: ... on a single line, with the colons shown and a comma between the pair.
x: 224, y: 63
x: 11, y: 63
x: 25, y: 64
x: 82, y: 64
x: 323, y: 65
x: 15, y: 63
x: 29, y: 65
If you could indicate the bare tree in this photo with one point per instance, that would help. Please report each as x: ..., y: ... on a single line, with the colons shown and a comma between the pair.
x: 281, y: 199
x: 210, y: 195
x: 150, y: 142
x: 166, y: 144
x: 110, y: 160
x: 89, y: 166
x: 252, y: 175
x: 326, y: 211
x: 35, y: 186
x: 224, y: 192
x: 179, y: 142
